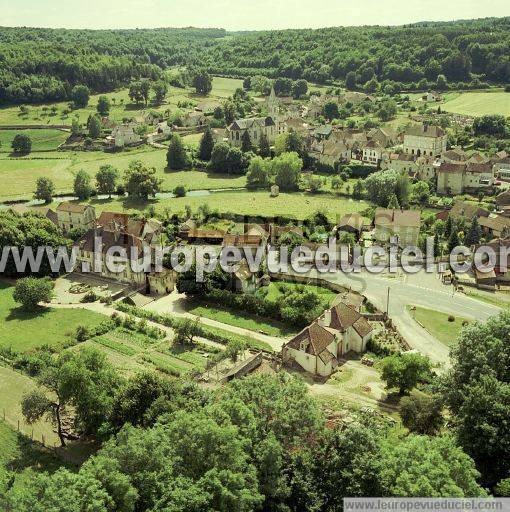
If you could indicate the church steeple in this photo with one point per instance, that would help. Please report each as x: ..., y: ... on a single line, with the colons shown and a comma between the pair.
x: 272, y: 103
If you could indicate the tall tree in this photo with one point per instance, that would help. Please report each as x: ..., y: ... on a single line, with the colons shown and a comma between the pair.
x: 106, y: 179
x: 246, y: 142
x: 141, y: 181
x: 44, y: 190
x: 264, y: 148
x: 81, y: 186
x: 103, y: 105
x: 202, y: 82
x: 80, y: 96
x: 176, y: 157
x: 22, y: 144
x: 206, y: 145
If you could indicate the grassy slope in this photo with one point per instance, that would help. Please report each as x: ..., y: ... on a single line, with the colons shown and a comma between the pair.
x: 437, y: 324
x: 24, y: 331
x: 42, y: 140
x: 478, y: 103
x: 121, y: 106
x: 243, y: 320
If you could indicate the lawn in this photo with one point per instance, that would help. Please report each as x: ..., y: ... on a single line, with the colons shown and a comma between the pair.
x: 298, y: 205
x: 478, y: 103
x: 42, y: 140
x: 437, y: 324
x: 242, y: 320
x: 23, y: 331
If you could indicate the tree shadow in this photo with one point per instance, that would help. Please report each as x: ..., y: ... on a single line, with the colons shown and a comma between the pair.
x: 20, y: 313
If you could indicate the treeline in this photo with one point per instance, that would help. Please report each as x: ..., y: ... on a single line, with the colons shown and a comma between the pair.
x: 407, y: 54
x: 39, y: 65
x: 44, y: 64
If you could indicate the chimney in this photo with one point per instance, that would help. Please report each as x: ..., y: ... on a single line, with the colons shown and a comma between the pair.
x: 325, y: 319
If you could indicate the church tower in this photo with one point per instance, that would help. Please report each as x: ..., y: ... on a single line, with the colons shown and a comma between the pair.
x: 272, y: 104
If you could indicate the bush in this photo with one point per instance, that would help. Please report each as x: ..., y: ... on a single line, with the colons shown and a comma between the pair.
x: 30, y: 291
x: 90, y: 296
x: 451, y: 318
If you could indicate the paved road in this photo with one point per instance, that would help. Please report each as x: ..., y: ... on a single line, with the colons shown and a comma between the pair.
x: 419, y: 289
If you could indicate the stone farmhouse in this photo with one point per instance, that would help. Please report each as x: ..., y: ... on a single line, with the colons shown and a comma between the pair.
x: 319, y: 346
x: 123, y: 135
x: 402, y: 224
x: 458, y: 177
x: 424, y: 139
x: 75, y: 216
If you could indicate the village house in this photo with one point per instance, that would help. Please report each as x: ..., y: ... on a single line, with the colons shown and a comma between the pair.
x: 431, y: 96
x: 383, y: 135
x: 424, y: 139
x: 75, y: 216
x: 351, y: 223
x: 255, y: 127
x: 101, y: 259
x: 503, y: 202
x: 455, y: 178
x: 123, y: 135
x: 150, y: 231
x: 462, y: 209
x: 243, y: 280
x: 101, y: 250
x: 245, y: 243
x: 402, y: 224
x: 331, y: 153
x: 41, y: 211
x: 372, y: 152
x: 495, y: 226
x: 502, y: 264
x: 194, y: 120
x: 319, y: 346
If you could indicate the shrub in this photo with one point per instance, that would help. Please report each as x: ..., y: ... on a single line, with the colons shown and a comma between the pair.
x: 451, y: 318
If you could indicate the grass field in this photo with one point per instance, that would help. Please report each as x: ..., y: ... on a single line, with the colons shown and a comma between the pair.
x: 19, y: 174
x: 121, y: 106
x: 477, y: 103
x: 23, y: 331
x: 297, y: 205
x: 437, y: 324
x: 13, y: 386
x: 42, y: 140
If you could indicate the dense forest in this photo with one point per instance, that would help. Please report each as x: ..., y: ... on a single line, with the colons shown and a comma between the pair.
x: 44, y: 64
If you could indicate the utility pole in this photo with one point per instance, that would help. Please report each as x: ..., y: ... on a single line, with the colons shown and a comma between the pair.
x: 388, y: 302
